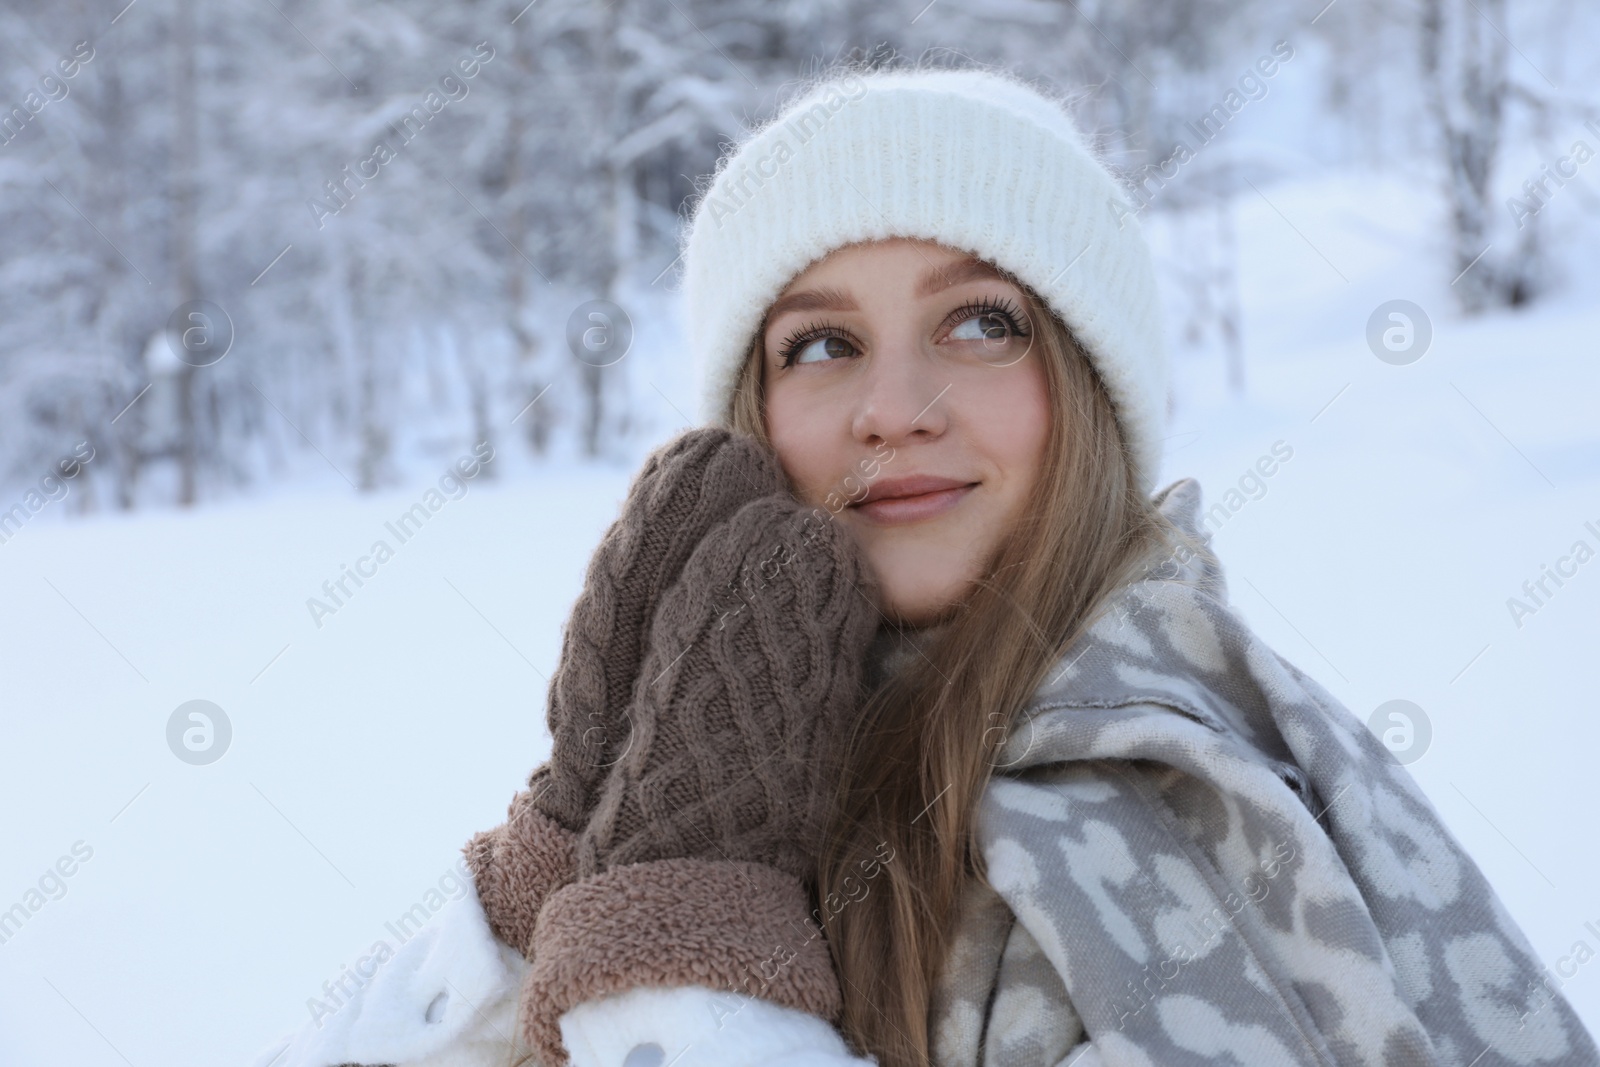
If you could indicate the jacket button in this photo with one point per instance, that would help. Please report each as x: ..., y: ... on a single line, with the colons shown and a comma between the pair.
x: 649, y: 1054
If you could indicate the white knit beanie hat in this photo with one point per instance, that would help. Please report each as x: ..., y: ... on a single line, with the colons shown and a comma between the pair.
x: 978, y: 161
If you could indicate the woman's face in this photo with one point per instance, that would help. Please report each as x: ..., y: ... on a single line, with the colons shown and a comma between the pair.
x: 904, y: 395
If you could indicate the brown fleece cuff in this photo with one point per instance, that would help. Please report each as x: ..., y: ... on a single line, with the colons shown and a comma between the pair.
x: 517, y: 865
x: 733, y: 926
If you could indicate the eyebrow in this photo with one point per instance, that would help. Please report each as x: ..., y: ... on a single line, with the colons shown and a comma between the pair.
x: 935, y: 280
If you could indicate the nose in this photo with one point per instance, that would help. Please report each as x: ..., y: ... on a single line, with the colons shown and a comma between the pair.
x: 898, y: 398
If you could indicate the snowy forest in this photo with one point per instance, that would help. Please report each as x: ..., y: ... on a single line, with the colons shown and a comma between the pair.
x: 279, y: 280
x: 249, y: 245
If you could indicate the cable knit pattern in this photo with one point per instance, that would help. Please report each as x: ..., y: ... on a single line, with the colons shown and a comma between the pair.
x: 754, y: 669
x: 979, y: 161
x: 686, y: 486
x: 695, y: 863
x: 693, y: 481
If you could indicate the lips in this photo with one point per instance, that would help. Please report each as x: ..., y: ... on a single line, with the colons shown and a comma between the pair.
x: 912, y: 498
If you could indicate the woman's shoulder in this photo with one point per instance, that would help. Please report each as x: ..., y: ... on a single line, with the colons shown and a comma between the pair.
x: 1169, y: 673
x: 1168, y: 642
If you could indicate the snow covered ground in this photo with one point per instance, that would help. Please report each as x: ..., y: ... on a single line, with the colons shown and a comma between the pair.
x: 208, y: 903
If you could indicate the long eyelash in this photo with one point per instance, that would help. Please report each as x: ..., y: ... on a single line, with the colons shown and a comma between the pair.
x: 1000, y: 305
x: 791, y: 346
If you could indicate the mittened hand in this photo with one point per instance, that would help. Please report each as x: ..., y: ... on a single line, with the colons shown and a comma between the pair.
x: 693, y: 866
x: 752, y: 677
x: 687, y: 486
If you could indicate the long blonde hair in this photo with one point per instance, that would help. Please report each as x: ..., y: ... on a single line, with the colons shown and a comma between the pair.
x: 925, y: 741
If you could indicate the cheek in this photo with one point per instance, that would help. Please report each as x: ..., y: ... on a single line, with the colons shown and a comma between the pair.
x: 1011, y: 420
x: 800, y: 437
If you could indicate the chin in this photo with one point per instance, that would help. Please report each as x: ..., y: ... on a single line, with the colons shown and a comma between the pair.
x: 909, y: 599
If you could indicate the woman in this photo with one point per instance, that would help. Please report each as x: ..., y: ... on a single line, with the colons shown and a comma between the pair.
x: 897, y: 720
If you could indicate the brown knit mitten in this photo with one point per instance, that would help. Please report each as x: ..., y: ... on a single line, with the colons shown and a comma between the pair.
x: 695, y: 864
x: 685, y: 487
x: 688, y: 485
